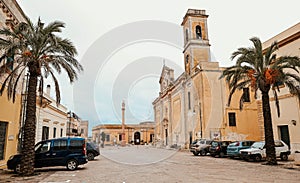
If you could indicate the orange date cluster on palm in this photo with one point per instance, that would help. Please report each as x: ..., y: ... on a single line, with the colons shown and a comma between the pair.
x: 250, y: 74
x: 271, y: 75
x: 27, y: 53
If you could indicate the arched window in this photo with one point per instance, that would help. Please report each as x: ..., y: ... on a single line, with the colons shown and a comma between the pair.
x: 186, y: 35
x: 198, y: 32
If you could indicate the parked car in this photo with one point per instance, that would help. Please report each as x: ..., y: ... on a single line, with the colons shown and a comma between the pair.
x: 257, y: 151
x: 233, y: 149
x: 219, y: 148
x: 68, y: 151
x: 200, y: 146
x: 92, y: 150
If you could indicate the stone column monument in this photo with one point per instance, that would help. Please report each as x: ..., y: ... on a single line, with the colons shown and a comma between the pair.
x: 123, y: 143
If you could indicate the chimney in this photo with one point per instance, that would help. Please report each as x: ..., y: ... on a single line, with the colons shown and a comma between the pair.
x: 48, y: 90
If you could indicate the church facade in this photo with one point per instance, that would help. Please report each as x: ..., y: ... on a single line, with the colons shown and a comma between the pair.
x: 194, y: 104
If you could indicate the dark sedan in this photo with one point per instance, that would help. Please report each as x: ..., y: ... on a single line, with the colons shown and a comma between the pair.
x: 92, y: 150
x: 219, y: 148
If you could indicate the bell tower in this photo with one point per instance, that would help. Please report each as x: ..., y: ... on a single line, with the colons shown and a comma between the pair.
x: 196, y: 43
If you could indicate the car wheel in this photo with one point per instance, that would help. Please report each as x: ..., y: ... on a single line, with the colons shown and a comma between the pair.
x: 18, y: 168
x: 72, y: 164
x: 202, y: 152
x: 284, y: 157
x: 196, y: 153
x: 245, y: 159
x: 257, y: 158
x: 90, y: 156
x: 222, y: 154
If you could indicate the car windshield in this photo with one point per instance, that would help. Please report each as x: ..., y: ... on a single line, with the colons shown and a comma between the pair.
x: 202, y: 142
x: 195, y: 141
x: 208, y: 142
x: 258, y: 145
x: 234, y: 144
x: 214, y: 144
x: 92, y: 145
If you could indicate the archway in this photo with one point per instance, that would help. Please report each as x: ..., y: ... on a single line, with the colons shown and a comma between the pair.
x: 137, y: 138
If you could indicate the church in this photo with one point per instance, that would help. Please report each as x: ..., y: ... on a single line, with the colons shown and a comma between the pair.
x: 194, y: 104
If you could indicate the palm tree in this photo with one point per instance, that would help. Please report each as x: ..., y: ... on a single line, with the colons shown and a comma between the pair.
x: 264, y: 71
x: 38, y: 51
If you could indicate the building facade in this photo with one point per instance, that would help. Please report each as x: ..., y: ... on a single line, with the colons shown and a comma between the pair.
x: 51, y: 118
x: 287, y: 126
x: 10, y: 15
x: 73, y: 124
x: 111, y: 134
x: 194, y: 105
x: 83, y: 129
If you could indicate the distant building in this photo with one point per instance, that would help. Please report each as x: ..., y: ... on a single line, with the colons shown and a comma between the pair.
x: 73, y: 124
x: 134, y: 133
x: 83, y: 129
x: 10, y: 15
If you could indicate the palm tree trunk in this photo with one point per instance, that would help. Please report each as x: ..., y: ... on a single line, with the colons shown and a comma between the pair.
x: 269, y: 137
x: 28, y: 154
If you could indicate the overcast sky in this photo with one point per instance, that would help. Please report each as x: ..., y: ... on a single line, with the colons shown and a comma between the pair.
x: 122, y: 45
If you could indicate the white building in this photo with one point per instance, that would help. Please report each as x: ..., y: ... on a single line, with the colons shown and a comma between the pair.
x: 286, y: 127
x: 51, y: 118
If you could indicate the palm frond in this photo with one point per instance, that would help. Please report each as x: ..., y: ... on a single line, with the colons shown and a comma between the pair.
x: 237, y: 86
x: 56, y: 86
x: 293, y: 88
x: 17, y: 82
x: 276, y: 102
x: 269, y: 55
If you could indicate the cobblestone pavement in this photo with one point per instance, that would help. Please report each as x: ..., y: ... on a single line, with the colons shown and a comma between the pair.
x: 147, y: 164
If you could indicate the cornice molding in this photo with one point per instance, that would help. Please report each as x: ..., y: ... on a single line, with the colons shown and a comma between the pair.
x: 286, y: 40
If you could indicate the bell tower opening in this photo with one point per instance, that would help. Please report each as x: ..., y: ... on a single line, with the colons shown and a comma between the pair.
x: 198, y: 32
x: 196, y: 43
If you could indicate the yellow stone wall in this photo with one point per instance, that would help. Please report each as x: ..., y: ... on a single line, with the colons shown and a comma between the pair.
x: 10, y: 113
x: 247, y: 124
x: 200, y: 54
x: 157, y: 122
x: 176, y: 114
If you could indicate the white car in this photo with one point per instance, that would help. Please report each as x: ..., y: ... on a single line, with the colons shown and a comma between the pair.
x: 257, y: 151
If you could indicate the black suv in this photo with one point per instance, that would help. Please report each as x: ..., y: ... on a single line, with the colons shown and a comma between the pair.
x: 68, y: 151
x: 92, y: 150
x: 219, y: 148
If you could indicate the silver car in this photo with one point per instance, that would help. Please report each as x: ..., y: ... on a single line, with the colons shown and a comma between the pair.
x: 200, y: 146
